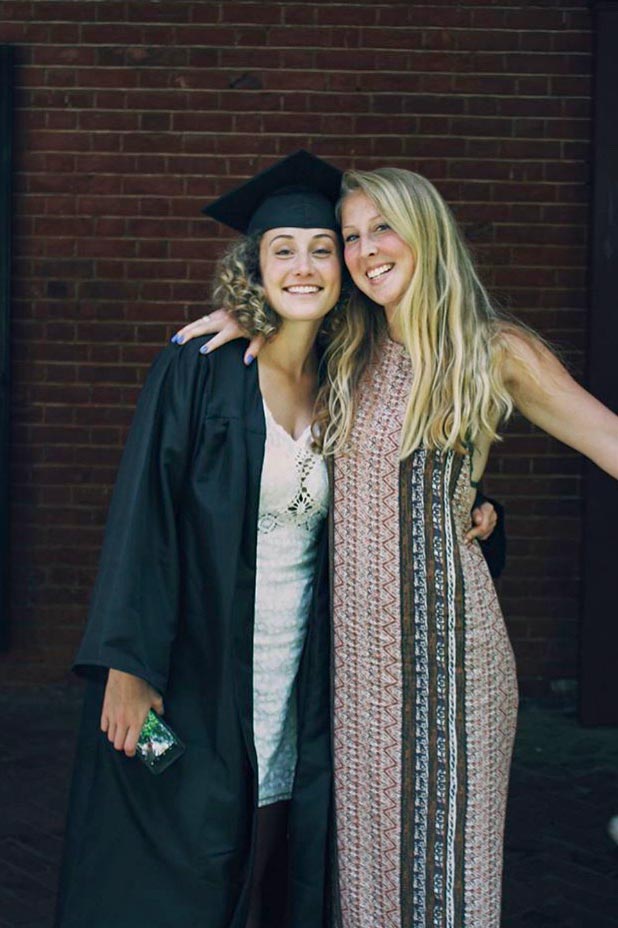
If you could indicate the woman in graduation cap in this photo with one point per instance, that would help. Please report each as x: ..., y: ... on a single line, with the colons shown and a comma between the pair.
x: 419, y: 376
x: 211, y: 604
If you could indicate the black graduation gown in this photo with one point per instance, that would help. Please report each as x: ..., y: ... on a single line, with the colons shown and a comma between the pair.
x: 173, y: 604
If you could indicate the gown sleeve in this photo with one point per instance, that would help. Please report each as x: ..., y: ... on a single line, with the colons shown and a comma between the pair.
x: 133, y: 612
x: 494, y: 547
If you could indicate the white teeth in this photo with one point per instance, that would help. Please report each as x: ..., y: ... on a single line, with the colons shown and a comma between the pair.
x: 378, y: 271
x: 302, y: 289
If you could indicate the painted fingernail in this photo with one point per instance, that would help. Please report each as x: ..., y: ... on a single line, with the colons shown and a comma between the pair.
x: 204, y: 349
x: 174, y: 339
x: 178, y: 339
x: 249, y: 359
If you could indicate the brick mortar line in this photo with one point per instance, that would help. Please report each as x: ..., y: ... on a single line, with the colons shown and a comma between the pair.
x: 62, y: 66
x: 221, y: 24
x: 581, y: 6
x: 306, y: 91
x: 449, y: 159
x: 265, y: 26
x: 253, y: 24
x: 282, y: 92
x: 133, y: 68
x: 253, y: 112
x: 126, y: 43
x: 282, y: 114
x: 294, y: 134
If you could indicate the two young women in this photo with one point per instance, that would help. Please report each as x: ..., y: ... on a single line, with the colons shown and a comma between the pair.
x: 419, y: 372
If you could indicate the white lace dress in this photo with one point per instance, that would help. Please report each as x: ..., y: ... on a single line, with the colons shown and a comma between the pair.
x: 293, y: 505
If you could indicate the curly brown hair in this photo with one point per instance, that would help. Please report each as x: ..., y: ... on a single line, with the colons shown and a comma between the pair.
x: 238, y: 289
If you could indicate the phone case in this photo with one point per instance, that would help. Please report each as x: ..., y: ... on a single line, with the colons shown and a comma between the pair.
x: 158, y: 746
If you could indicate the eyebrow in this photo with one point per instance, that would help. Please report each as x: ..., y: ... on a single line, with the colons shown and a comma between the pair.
x: 330, y: 237
x: 350, y: 225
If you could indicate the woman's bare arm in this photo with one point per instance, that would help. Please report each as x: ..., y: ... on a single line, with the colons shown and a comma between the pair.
x: 547, y: 395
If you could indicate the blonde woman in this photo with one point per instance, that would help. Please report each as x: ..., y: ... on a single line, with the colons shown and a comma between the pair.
x: 414, y: 407
x: 420, y: 374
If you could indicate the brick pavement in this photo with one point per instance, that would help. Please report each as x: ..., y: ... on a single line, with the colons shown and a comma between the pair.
x: 561, y: 868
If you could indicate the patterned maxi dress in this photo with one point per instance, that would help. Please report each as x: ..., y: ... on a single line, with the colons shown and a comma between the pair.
x: 425, y: 693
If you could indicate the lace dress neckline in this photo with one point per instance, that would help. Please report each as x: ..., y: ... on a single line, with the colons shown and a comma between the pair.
x: 280, y: 428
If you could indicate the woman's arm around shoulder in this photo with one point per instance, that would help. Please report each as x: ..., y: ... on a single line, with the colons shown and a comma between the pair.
x: 224, y: 329
x: 546, y: 394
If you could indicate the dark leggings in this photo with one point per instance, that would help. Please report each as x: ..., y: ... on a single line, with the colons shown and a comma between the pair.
x: 268, y: 887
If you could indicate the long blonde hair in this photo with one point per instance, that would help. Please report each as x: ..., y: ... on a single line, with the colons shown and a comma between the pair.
x: 450, y: 329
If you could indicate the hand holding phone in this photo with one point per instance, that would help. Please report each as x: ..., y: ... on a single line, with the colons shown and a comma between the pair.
x: 125, y: 707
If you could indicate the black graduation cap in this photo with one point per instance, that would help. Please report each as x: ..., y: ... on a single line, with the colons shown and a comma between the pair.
x: 300, y: 191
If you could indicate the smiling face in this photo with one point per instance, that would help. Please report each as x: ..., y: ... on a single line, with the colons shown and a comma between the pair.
x: 380, y: 262
x: 301, y: 272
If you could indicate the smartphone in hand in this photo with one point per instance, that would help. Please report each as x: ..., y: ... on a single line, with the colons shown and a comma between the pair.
x: 158, y: 746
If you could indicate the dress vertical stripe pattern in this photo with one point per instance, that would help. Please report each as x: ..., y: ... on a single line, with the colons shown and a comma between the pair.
x: 434, y: 768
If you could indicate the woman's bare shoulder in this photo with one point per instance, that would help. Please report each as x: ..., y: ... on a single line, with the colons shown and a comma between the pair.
x: 521, y: 352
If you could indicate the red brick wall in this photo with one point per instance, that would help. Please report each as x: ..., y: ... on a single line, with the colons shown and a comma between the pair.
x: 130, y: 115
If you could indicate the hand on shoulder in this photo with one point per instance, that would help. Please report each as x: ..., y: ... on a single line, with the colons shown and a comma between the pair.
x: 224, y: 329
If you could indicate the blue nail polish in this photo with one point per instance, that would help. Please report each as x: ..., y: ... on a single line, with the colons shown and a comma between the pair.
x: 249, y: 359
x: 179, y: 339
x: 204, y: 349
x: 174, y: 339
